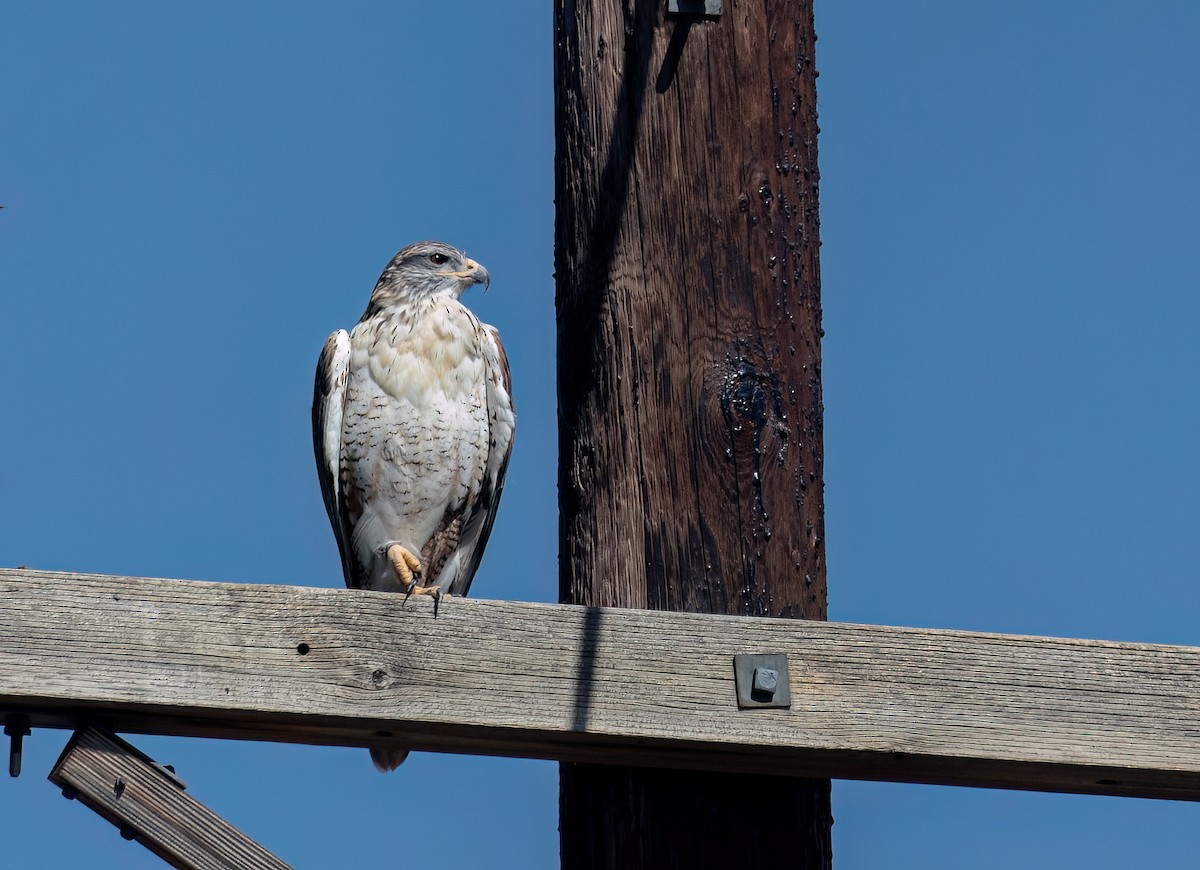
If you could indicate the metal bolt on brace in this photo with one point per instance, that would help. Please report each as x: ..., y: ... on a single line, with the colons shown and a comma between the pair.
x: 762, y: 680
x: 766, y: 680
x: 16, y: 726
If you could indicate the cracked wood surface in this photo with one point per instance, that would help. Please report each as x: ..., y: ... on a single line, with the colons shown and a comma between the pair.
x: 613, y: 686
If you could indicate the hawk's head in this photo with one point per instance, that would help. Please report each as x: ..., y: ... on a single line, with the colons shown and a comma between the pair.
x: 425, y: 270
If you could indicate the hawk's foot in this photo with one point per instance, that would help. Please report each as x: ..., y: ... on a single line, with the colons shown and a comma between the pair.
x: 406, y: 566
x: 432, y: 591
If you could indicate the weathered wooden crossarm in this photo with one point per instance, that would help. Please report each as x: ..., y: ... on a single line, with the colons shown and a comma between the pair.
x: 148, y: 803
x: 640, y: 687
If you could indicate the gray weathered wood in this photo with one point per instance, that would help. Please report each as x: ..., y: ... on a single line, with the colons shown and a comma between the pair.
x: 616, y: 686
x: 120, y: 783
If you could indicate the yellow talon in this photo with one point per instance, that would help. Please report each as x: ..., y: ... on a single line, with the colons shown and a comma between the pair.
x: 404, y: 563
x: 407, y: 569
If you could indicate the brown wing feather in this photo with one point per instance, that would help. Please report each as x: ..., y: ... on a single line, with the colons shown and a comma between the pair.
x: 443, y: 544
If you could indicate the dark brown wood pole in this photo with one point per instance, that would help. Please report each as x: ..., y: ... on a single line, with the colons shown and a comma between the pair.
x: 689, y: 325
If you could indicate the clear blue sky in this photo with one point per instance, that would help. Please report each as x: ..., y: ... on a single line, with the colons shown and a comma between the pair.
x: 196, y: 194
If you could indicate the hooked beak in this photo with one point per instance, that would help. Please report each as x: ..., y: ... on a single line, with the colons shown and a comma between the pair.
x: 474, y: 272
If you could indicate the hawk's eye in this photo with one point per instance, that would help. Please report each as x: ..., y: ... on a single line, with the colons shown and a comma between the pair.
x: 439, y: 259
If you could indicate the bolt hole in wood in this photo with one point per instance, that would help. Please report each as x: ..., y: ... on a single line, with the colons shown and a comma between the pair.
x: 303, y: 649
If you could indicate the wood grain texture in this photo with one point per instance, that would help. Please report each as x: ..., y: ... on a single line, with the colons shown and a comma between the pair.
x: 120, y: 783
x: 609, y: 685
x: 689, y: 310
x: 689, y: 359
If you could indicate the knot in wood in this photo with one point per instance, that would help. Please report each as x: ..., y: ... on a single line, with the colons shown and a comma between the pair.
x: 748, y: 397
x: 746, y: 403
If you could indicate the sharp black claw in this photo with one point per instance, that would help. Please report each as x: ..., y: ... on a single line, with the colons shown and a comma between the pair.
x: 413, y: 584
x: 437, y: 599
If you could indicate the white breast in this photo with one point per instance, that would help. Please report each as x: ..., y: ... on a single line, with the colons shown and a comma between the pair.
x: 415, y: 435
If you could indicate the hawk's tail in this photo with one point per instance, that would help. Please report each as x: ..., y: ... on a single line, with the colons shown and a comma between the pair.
x: 387, y: 760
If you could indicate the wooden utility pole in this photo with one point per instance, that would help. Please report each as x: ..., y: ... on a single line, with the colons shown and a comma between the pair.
x: 689, y: 380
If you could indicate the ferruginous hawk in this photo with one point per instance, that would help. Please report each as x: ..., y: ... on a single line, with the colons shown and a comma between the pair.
x: 413, y: 425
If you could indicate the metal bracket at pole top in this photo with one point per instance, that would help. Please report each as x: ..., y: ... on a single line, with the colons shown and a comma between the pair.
x: 703, y: 8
